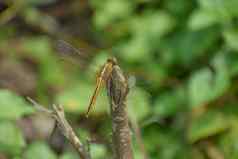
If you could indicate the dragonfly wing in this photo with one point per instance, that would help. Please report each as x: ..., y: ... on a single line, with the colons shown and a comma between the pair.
x: 131, y: 81
x: 70, y: 53
x: 66, y: 49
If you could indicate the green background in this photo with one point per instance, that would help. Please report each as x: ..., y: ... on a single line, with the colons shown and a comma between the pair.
x: 182, y: 53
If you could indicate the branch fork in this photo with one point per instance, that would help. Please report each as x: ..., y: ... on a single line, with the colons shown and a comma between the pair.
x: 58, y: 114
x: 117, y: 90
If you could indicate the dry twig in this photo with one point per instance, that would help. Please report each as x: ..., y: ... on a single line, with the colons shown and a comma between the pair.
x: 58, y: 114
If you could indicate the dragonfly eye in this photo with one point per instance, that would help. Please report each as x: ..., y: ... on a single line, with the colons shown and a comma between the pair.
x: 112, y: 60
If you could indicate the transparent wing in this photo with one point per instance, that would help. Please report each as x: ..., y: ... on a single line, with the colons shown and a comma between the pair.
x: 66, y: 49
x: 69, y: 52
x: 131, y: 81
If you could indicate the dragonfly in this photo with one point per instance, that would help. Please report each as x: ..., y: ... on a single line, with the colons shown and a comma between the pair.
x: 101, y: 77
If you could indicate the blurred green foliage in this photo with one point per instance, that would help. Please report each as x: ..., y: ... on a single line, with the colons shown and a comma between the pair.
x: 11, y: 141
x: 184, y: 55
x: 39, y: 150
x: 18, y: 107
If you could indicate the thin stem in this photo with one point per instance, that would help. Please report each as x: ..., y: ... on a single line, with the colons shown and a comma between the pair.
x: 135, y: 127
x: 58, y: 114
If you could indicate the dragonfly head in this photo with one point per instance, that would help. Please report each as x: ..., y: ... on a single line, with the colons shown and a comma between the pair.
x: 112, y: 60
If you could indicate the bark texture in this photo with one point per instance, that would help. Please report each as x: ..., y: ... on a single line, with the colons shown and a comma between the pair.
x: 117, y: 89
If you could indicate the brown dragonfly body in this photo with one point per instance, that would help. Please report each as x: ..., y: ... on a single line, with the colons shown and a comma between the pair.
x: 102, y: 75
x: 101, y: 79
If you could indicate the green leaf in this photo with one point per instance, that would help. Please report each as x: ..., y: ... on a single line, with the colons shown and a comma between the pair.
x: 49, y: 67
x: 208, y: 124
x: 232, y: 61
x: 231, y: 38
x: 187, y: 46
x: 179, y: 8
x: 222, y: 75
x: 200, y: 87
x: 69, y: 155
x: 170, y: 103
x: 38, y: 47
x: 112, y: 11
x: 218, y: 7
x: 201, y: 19
x: 205, y: 85
x: 152, y: 25
x: 227, y: 141
x: 51, y: 72
x: 222, y: 6
x: 137, y: 152
x: 98, y: 151
x: 213, y: 12
x: 146, y: 30
x: 13, y: 106
x: 11, y: 138
x: 39, y: 150
x: 135, y: 50
x: 5, y: 33
x: 167, y: 140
